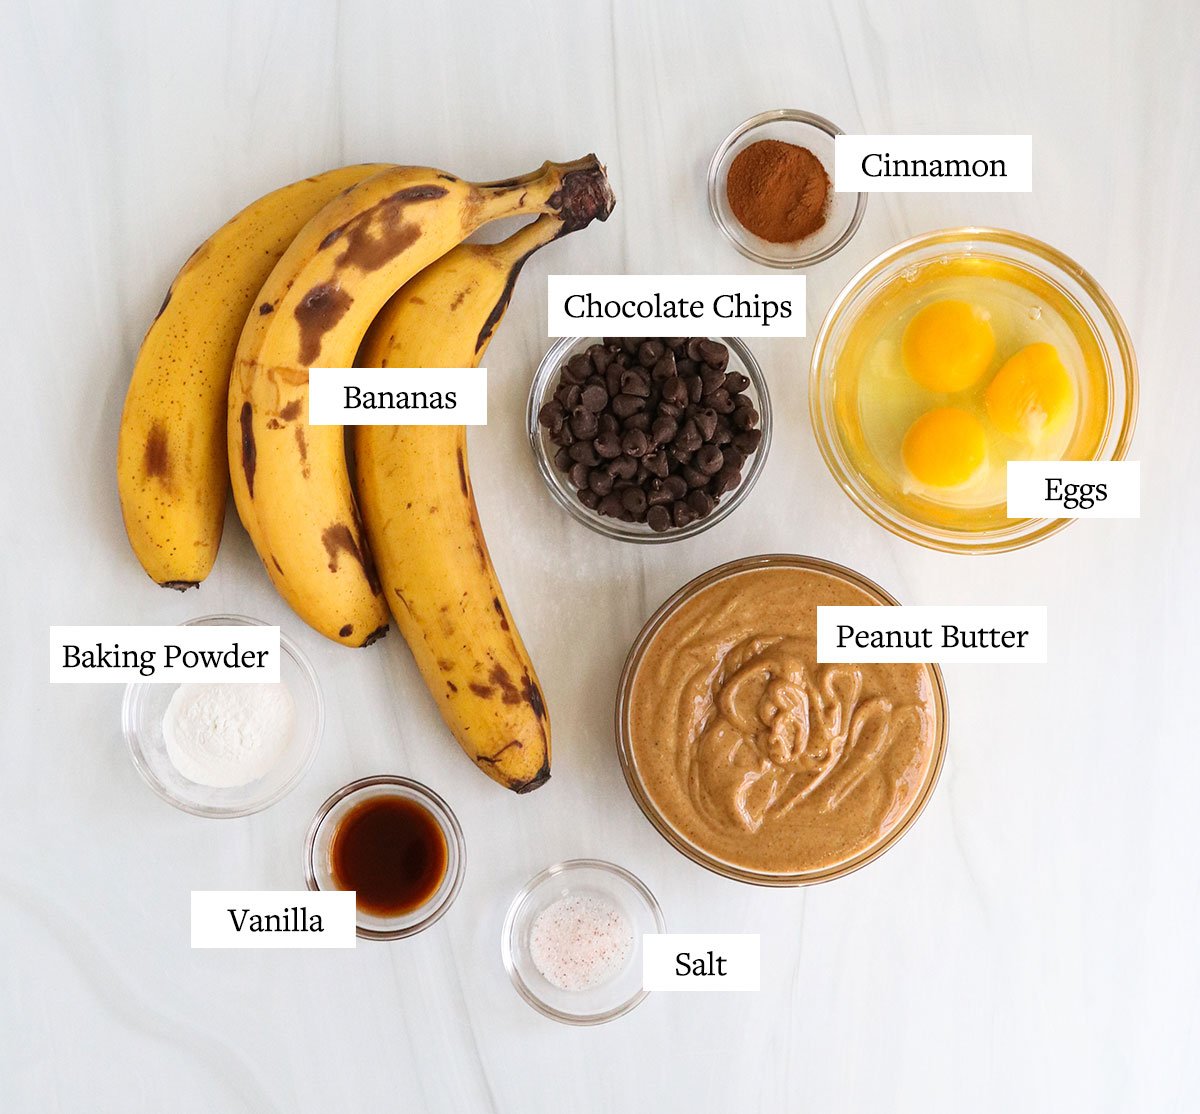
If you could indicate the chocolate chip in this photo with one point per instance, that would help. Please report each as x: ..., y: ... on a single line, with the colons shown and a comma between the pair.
x: 693, y: 349
x: 584, y: 423
x: 657, y: 464
x: 669, y: 410
x: 695, y: 386
x: 578, y: 475
x: 713, y: 353
x: 706, y: 423
x: 600, y: 356
x: 610, y: 506
x: 632, y: 344
x: 689, y: 438
x: 748, y: 440
x: 745, y: 418
x: 635, y: 382
x: 663, y: 430
x: 552, y: 415
x: 658, y: 494
x: 675, y: 390
x: 679, y: 454
x: 624, y: 405
x: 635, y: 444
x: 726, y: 480
x: 693, y: 477
x: 634, y: 500
x: 665, y: 368
x: 650, y: 352
x: 734, y: 457
x: 736, y: 382
x: 676, y: 486
x: 594, y: 397
x: 709, y: 460
x: 640, y: 421
x: 720, y: 401
x: 702, y: 503
x: 600, y: 481
x: 682, y: 515
x: 608, y: 445
x: 607, y: 423
x: 712, y: 378
x: 562, y: 460
x: 588, y: 498
x: 658, y: 518
x: 623, y: 467
x: 582, y: 452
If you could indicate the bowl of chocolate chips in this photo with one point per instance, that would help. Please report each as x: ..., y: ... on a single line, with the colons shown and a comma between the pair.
x: 649, y: 439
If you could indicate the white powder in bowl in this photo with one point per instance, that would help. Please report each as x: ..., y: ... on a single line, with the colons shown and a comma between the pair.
x: 580, y: 941
x: 224, y: 736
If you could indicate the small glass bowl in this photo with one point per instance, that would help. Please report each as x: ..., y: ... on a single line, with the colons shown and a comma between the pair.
x: 1047, y: 264
x: 624, y: 731
x: 541, y: 390
x: 318, y: 874
x: 579, y: 877
x: 844, y: 212
x: 142, y: 717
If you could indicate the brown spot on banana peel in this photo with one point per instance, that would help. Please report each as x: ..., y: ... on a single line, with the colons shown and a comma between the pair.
x: 318, y: 312
x: 484, y: 692
x: 375, y: 635
x: 500, y: 611
x: 180, y: 585
x: 462, y: 473
x: 533, y: 697
x: 249, y: 452
x: 291, y: 411
x: 339, y: 538
x: 346, y: 631
x: 156, y: 460
x: 265, y: 308
x: 368, y: 250
x: 165, y: 302
x: 302, y: 446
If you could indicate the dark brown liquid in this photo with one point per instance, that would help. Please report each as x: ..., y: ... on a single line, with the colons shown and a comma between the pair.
x: 392, y: 852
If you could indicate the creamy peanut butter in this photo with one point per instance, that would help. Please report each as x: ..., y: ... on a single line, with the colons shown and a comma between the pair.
x: 757, y: 755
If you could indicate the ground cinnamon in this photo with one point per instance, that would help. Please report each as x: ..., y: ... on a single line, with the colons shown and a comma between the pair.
x: 778, y: 191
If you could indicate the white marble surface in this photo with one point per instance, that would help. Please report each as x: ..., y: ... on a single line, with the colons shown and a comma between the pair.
x: 1030, y: 945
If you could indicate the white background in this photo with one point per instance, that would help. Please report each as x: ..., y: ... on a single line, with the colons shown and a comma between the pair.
x: 1031, y: 945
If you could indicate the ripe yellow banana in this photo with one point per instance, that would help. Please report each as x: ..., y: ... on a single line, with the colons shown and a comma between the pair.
x: 172, y: 463
x: 419, y: 511
x: 289, y: 479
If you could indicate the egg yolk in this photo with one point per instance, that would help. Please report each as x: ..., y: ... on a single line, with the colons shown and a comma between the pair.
x: 944, y: 447
x: 1031, y: 393
x: 948, y: 345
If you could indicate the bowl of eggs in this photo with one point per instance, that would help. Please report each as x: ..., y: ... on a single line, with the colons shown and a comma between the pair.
x: 952, y: 354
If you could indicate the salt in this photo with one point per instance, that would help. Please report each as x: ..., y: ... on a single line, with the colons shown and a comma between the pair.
x: 580, y: 941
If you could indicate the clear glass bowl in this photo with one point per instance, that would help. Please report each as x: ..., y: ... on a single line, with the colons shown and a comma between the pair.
x: 545, y: 381
x: 318, y: 874
x: 624, y: 731
x: 579, y: 877
x: 1072, y: 282
x: 842, y: 217
x: 142, y: 718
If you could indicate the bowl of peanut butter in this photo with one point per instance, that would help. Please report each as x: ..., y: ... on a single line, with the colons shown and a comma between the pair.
x: 751, y: 757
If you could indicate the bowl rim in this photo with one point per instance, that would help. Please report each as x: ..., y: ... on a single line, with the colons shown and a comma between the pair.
x: 507, y: 950
x: 135, y: 691
x: 543, y: 378
x: 772, y: 116
x: 442, y: 813
x: 1020, y: 533
x: 625, y: 749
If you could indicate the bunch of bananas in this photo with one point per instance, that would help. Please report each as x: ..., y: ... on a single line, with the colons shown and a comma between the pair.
x: 361, y: 266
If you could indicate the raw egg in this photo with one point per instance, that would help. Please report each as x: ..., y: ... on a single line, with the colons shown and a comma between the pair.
x: 945, y: 447
x: 1031, y: 393
x: 948, y: 345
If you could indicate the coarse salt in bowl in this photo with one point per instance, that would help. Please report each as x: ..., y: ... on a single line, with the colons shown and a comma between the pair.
x: 572, y: 941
